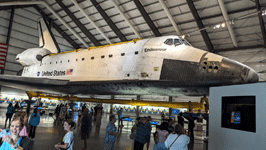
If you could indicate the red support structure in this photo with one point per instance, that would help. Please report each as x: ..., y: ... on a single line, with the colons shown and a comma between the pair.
x: 3, y: 50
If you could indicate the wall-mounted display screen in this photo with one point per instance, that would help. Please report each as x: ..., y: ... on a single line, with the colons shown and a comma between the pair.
x: 239, y: 112
x: 175, y: 111
x: 154, y: 122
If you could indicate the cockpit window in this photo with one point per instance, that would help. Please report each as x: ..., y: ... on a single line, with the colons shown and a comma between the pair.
x: 185, y: 42
x: 169, y: 42
x: 178, y: 42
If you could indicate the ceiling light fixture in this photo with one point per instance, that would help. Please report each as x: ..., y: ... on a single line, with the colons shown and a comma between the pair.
x: 263, y: 13
x: 222, y: 25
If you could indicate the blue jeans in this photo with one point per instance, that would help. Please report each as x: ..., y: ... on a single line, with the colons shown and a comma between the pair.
x: 109, y: 146
x: 161, y: 146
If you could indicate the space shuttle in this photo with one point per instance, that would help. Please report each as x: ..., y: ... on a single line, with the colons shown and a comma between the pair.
x: 166, y: 66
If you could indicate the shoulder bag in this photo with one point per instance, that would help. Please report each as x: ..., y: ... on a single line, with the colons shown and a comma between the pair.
x: 133, y: 134
x: 62, y: 143
x: 173, y: 143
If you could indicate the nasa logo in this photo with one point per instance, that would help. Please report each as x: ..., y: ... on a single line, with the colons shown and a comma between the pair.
x: 38, y: 74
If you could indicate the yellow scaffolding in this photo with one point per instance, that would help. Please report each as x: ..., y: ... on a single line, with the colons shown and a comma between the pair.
x: 188, y: 105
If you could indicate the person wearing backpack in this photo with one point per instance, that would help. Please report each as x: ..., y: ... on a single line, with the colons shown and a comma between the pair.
x: 34, y: 122
x: 177, y: 140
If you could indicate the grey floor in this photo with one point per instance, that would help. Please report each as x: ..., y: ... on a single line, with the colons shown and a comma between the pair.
x: 50, y: 132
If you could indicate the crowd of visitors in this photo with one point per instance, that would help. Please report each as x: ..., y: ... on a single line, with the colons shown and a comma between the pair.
x: 168, y: 136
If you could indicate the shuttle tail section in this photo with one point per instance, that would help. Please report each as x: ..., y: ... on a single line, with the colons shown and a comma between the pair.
x: 46, y: 38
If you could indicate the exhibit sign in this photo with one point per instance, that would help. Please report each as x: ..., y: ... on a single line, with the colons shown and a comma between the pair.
x: 239, y: 112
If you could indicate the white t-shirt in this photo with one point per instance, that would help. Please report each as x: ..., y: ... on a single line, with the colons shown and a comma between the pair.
x: 180, y: 144
x: 68, y: 139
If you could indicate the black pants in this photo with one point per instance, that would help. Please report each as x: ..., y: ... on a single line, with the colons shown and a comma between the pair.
x: 120, y: 120
x: 191, y: 134
x: 32, y: 131
x: 9, y: 116
x: 138, y: 145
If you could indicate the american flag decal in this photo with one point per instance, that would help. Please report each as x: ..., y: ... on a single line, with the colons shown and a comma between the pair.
x: 69, y: 72
x: 3, y: 50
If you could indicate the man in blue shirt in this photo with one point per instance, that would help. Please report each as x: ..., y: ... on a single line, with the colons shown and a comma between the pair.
x: 142, y: 134
x: 110, y: 134
x: 120, y: 118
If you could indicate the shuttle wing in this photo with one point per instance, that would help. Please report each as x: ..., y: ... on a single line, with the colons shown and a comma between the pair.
x: 43, y: 85
x: 31, y: 80
x: 108, y: 87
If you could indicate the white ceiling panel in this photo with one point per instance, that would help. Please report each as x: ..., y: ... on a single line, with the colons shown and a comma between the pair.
x: 4, y: 22
x: 167, y: 30
x: 195, y: 38
x: 27, y: 14
x: 249, y: 43
x: 240, y: 4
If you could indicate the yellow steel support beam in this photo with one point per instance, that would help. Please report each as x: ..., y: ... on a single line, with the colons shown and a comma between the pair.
x: 189, y: 105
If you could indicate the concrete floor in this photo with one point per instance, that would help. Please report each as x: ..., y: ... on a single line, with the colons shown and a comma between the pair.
x: 50, y: 132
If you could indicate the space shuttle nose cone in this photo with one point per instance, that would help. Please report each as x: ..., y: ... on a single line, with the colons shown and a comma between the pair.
x: 253, y: 76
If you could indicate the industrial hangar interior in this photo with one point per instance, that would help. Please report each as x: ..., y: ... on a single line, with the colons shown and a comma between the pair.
x: 157, y: 58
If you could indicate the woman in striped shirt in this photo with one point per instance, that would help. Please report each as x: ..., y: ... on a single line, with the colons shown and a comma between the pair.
x: 162, y: 133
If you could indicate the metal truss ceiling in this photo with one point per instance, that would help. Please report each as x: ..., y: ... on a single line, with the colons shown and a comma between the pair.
x: 262, y: 24
x: 79, y: 24
x: 109, y: 21
x: 147, y: 18
x: 200, y: 25
x: 144, y: 14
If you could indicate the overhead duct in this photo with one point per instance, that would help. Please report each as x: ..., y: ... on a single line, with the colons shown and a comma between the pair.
x: 51, y: 10
x: 226, y: 18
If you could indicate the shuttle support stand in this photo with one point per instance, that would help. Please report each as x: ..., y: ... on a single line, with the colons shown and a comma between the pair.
x: 111, y: 107
x: 170, y: 109
x: 137, y: 112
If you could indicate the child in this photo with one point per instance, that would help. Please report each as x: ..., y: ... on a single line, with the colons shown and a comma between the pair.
x: 68, y: 140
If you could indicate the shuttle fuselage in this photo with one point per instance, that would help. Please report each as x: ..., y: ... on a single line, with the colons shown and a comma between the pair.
x: 148, y: 67
x: 165, y: 65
